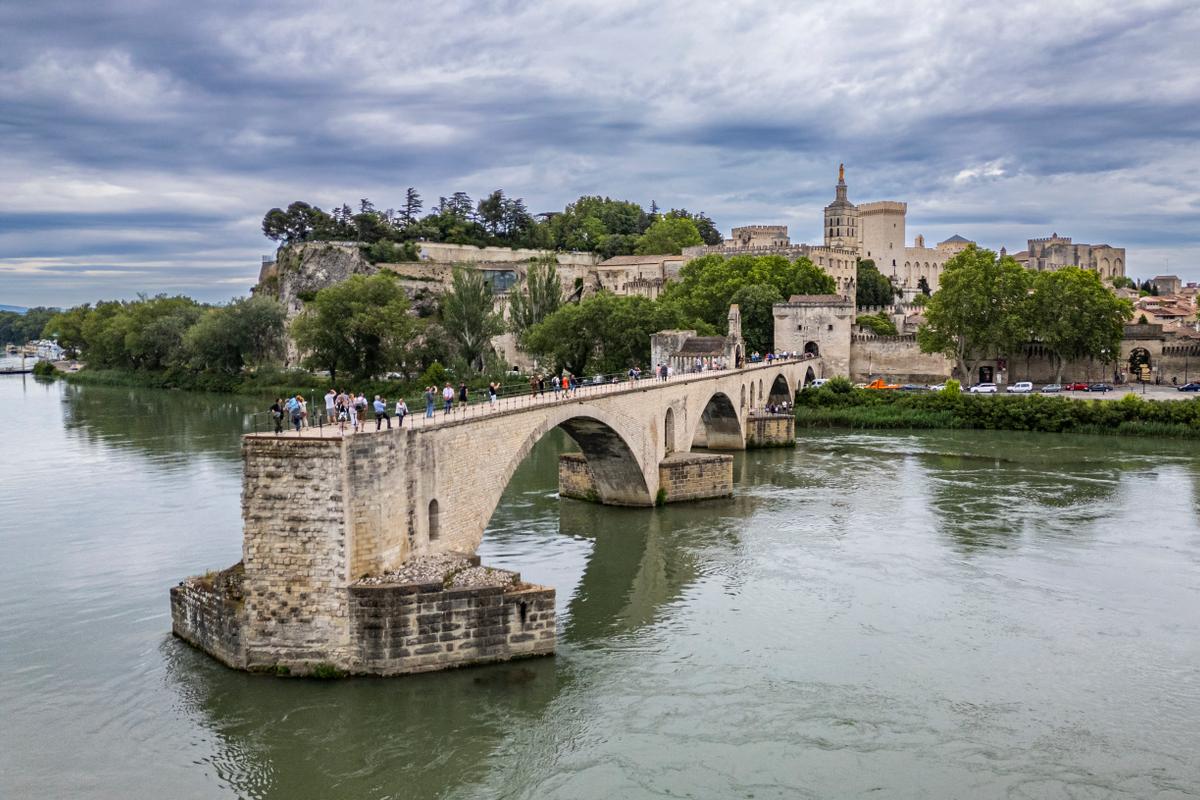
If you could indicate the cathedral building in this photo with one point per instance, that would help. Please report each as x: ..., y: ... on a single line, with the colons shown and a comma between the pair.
x: 874, y: 231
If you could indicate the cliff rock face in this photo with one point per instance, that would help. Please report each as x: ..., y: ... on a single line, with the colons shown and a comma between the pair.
x: 302, y: 270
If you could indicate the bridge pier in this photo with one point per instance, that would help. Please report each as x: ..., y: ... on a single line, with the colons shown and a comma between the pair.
x: 682, y: 477
x: 331, y: 523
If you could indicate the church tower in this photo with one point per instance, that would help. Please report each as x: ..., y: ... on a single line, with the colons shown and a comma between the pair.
x: 841, y: 218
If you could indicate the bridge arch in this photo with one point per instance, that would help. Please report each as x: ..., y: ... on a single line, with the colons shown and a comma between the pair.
x: 781, y: 391
x: 669, y: 431
x: 719, y: 424
x: 623, y: 474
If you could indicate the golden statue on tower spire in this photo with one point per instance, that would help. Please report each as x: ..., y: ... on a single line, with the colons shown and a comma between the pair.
x: 841, y: 173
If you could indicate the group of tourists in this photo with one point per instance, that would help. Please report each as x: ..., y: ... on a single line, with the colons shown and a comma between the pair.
x: 344, y: 408
x: 564, y: 385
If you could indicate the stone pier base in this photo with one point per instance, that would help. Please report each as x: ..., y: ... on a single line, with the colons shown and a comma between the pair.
x: 681, y: 477
x: 391, y: 628
x: 770, y: 430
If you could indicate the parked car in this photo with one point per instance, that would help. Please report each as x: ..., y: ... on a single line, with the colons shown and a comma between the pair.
x: 1100, y: 387
x: 1190, y: 387
x: 983, y: 388
x: 1020, y: 387
x: 1051, y: 388
x: 817, y: 383
x: 913, y: 387
x: 1076, y: 387
x: 880, y: 383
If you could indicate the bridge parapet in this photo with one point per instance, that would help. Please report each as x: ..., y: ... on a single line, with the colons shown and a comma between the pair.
x: 322, y: 511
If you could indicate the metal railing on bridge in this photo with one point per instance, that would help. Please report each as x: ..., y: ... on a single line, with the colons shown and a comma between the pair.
x: 316, y: 423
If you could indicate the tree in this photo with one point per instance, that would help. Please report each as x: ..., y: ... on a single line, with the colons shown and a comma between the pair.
x: 872, y: 287
x: 538, y: 298
x: 879, y: 324
x: 755, y: 302
x: 412, y: 206
x: 1123, y: 282
x: 669, y: 236
x: 979, y: 310
x: 603, y: 333
x: 469, y: 317
x: 704, y: 224
x: 923, y: 285
x: 297, y: 224
x: 707, y: 284
x: 1074, y: 316
x: 360, y: 326
x: 66, y: 328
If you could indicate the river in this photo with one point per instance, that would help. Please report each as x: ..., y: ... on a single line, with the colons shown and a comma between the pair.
x: 899, y: 615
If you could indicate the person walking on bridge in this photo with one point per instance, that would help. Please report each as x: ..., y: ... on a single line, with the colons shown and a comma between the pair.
x: 277, y: 415
x: 380, y: 407
x: 401, y: 411
x: 330, y: 402
x: 429, y: 402
x: 448, y: 398
x: 493, y: 393
x: 293, y: 407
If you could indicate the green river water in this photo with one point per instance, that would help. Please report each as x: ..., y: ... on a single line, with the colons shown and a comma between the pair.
x: 892, y: 615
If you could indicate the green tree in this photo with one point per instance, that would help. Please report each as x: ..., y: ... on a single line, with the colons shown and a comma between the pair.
x: 755, y: 302
x: 538, y: 298
x: 18, y: 328
x: 603, y: 333
x: 669, y: 236
x: 66, y: 327
x: 247, y: 332
x: 706, y: 285
x: 979, y: 311
x: 469, y: 317
x: 923, y: 285
x: 872, y: 287
x: 1074, y: 316
x: 878, y: 324
x: 360, y: 326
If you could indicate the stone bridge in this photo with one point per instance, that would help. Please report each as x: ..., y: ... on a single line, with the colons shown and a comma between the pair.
x: 322, y: 510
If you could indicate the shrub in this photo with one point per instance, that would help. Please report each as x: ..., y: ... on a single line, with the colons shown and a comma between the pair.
x: 45, y: 369
x: 952, y: 387
x: 434, y: 375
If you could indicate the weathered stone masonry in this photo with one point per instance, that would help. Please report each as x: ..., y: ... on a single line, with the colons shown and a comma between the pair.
x: 321, y: 513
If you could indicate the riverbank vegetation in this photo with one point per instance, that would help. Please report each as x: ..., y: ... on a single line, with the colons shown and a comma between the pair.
x: 837, y: 404
x: 18, y: 328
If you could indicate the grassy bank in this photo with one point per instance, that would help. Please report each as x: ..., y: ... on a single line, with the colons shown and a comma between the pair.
x: 838, y: 405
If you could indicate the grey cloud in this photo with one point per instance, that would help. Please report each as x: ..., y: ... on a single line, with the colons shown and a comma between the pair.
x: 144, y: 134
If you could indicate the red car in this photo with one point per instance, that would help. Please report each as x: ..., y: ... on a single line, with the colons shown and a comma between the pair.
x: 1076, y: 387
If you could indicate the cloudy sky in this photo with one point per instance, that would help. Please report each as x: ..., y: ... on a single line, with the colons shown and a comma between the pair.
x: 142, y: 141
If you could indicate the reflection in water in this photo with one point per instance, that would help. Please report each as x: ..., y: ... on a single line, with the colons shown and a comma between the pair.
x: 416, y: 737
x: 160, y: 423
x: 874, y: 614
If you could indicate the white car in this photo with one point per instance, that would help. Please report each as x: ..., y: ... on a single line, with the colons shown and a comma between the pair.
x: 817, y: 383
x: 983, y: 388
x: 1020, y: 387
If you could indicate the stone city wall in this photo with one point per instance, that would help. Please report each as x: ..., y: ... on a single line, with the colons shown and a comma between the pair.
x: 895, y: 358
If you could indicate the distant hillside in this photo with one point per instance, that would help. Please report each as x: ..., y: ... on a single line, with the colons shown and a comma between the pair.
x: 13, y: 309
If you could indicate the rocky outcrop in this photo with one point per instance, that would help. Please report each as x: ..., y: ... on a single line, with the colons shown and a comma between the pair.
x: 303, y: 270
